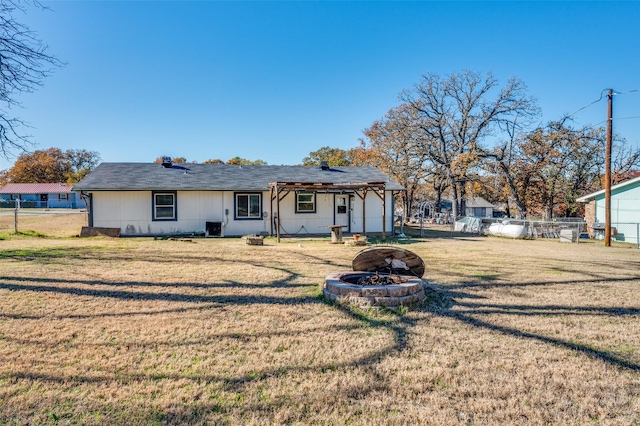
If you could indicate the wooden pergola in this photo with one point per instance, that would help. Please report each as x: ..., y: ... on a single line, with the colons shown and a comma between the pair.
x: 279, y: 190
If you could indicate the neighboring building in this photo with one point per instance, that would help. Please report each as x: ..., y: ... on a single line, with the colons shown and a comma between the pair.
x: 625, y: 209
x: 473, y: 207
x: 478, y: 207
x: 42, y: 195
x: 229, y: 200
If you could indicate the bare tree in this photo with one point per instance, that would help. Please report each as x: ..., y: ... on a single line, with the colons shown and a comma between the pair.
x: 506, y: 156
x: 457, y: 117
x: 24, y: 64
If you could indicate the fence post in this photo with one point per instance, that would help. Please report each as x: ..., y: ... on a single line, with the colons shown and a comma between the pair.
x: 638, y: 234
x: 15, y: 218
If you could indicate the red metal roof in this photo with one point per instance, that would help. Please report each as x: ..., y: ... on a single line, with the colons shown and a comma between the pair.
x: 36, y: 188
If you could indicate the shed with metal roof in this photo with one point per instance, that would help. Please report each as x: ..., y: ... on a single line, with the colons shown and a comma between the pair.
x: 42, y: 195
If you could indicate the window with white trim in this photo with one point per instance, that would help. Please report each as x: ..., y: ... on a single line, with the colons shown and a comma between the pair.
x: 248, y: 206
x: 164, y: 206
x: 306, y: 202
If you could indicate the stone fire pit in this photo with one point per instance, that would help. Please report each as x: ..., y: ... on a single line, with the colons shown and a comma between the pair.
x: 383, y: 276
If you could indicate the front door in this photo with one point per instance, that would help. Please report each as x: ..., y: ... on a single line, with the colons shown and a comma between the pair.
x: 342, y: 211
x: 44, y: 198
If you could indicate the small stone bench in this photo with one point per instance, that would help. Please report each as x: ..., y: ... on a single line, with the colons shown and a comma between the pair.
x: 253, y: 240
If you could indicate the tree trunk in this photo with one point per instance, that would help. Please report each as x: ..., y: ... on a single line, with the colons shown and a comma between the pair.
x: 454, y: 202
x: 513, y: 190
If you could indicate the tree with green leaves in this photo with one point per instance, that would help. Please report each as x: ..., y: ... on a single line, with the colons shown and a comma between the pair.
x: 81, y: 162
x: 334, y: 156
x: 244, y: 162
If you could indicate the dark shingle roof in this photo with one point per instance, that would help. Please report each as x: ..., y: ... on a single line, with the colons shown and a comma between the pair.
x: 152, y: 176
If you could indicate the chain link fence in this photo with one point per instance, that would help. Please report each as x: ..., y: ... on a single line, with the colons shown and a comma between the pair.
x: 27, y: 218
x: 623, y: 233
x: 566, y: 229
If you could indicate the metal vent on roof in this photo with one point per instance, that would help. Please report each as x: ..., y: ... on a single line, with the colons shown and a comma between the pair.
x: 324, y: 165
x: 166, y: 162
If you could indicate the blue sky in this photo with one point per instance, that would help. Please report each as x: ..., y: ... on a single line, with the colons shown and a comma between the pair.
x: 277, y: 80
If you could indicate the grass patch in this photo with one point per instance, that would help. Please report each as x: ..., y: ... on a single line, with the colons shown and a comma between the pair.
x: 137, y: 331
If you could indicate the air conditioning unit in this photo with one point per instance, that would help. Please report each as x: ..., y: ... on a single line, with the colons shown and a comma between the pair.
x: 214, y: 229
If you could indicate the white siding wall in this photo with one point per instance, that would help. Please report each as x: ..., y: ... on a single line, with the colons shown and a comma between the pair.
x: 132, y: 212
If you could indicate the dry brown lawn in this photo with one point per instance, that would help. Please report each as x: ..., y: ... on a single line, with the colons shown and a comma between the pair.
x: 143, y: 331
x: 54, y: 223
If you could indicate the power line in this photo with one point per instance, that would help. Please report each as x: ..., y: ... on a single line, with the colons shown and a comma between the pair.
x: 625, y: 118
x: 600, y: 98
x: 588, y: 105
x: 625, y: 92
x: 616, y: 119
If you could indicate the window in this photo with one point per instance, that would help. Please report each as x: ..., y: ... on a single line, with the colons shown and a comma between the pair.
x: 164, y: 206
x: 305, y: 202
x: 342, y: 205
x: 248, y: 206
x: 62, y: 197
x: 479, y: 211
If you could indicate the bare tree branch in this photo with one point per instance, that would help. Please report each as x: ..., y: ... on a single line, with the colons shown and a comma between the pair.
x: 24, y: 64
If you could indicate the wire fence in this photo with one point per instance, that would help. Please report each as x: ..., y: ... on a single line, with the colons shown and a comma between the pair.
x: 57, y: 222
x: 624, y: 233
x: 40, y: 204
x: 576, y: 230
x: 571, y: 230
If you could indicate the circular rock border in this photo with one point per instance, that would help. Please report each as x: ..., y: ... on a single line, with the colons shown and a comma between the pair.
x: 408, y: 292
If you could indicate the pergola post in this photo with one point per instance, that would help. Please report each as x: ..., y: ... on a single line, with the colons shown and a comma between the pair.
x: 277, y: 213
x: 271, y: 211
x: 384, y: 215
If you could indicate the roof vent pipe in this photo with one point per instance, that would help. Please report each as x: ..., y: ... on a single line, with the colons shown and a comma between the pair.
x: 324, y: 165
x: 166, y: 162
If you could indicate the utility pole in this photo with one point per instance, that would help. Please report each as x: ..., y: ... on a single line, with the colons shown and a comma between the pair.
x: 607, y: 173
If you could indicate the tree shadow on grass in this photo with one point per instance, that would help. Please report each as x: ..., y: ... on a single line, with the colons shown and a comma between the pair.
x: 399, y: 326
x: 443, y: 301
x: 602, y: 355
x: 158, y: 296
x: 474, y: 309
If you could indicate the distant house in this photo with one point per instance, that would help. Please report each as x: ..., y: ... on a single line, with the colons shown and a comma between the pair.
x: 625, y: 209
x: 145, y: 199
x: 478, y: 207
x: 42, y: 195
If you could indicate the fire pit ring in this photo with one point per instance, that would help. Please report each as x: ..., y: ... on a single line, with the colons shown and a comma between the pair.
x: 343, y: 287
x: 384, y: 276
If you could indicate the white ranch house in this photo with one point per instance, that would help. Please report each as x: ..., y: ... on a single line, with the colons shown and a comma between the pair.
x: 149, y: 199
